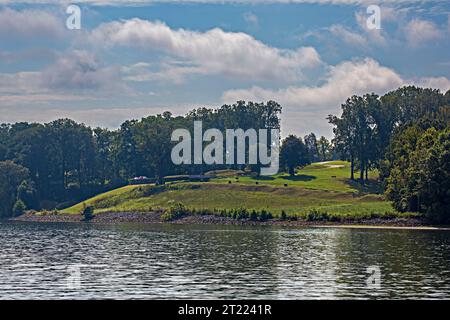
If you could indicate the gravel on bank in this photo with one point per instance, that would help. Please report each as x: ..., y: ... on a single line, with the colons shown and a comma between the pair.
x: 155, y: 218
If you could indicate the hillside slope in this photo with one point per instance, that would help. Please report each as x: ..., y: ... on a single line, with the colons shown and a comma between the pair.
x: 320, y: 187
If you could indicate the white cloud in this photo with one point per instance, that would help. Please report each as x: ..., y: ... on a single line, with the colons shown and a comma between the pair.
x: 419, y: 32
x: 349, y: 37
x: 104, y: 117
x: 343, y: 80
x: 307, y: 107
x: 29, y: 25
x: 170, y: 71
x: 77, y: 71
x: 20, y: 82
x: 80, y: 70
x: 441, y: 83
x: 213, y: 52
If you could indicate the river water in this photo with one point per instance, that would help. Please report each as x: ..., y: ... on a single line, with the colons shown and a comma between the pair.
x: 127, y: 261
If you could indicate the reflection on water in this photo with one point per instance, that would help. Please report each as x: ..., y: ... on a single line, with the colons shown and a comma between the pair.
x: 205, y: 262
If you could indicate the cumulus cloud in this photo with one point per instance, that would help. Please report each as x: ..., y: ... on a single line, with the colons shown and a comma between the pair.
x: 441, y: 83
x: 80, y: 70
x: 77, y: 71
x: 419, y: 32
x: 169, y: 71
x: 30, y: 24
x: 307, y: 107
x: 343, y: 80
x: 232, y: 54
x: 349, y: 37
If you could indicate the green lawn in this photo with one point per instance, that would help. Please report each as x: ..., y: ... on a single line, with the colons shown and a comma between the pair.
x: 330, y: 176
x: 318, y: 187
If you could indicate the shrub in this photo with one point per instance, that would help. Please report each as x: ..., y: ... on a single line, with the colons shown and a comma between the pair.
x: 263, y: 215
x: 316, y: 215
x: 175, y: 211
x: 18, y: 208
x: 241, y: 213
x: 88, y: 212
x: 253, y: 215
x: 283, y: 215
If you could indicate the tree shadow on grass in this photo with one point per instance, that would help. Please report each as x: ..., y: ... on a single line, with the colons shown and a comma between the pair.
x: 265, y: 178
x: 300, y: 177
x: 371, y: 186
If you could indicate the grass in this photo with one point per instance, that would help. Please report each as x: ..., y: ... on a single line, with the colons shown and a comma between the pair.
x: 318, y: 188
x: 330, y: 176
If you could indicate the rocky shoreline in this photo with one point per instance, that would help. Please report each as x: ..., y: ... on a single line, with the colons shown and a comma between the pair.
x: 155, y: 218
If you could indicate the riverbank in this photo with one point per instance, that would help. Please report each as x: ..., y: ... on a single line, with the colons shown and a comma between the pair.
x: 155, y: 218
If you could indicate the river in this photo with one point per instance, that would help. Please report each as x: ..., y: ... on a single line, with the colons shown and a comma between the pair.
x: 128, y: 261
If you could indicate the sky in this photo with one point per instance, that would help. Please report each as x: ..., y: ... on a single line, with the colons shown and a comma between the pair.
x: 131, y: 59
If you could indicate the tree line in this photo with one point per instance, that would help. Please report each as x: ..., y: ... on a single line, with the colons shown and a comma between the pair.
x: 405, y: 135
x: 56, y: 164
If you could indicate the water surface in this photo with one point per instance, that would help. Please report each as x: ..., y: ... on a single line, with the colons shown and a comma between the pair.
x: 41, y: 261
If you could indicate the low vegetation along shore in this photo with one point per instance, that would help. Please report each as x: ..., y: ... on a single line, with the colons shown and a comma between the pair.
x: 320, y: 193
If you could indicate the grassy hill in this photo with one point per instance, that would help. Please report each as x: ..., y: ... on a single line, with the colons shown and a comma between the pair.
x: 320, y: 187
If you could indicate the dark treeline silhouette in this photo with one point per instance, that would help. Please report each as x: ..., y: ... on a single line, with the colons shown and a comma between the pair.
x: 404, y: 134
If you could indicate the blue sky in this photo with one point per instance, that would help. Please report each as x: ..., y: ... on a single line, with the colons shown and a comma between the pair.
x: 131, y: 59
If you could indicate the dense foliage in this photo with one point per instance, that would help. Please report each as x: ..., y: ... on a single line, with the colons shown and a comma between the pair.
x: 54, y: 165
x: 293, y: 154
x: 419, y: 179
x: 404, y: 134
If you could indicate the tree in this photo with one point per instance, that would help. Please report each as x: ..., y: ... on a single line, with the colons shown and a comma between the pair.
x: 293, y: 153
x: 419, y: 179
x: 154, y: 142
x: 11, y: 176
x: 324, y: 149
x: 346, y: 131
x: 18, y: 208
x: 27, y: 194
x: 396, y: 166
x: 312, y: 147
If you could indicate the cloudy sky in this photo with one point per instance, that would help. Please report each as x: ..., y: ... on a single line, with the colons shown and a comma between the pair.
x: 135, y: 58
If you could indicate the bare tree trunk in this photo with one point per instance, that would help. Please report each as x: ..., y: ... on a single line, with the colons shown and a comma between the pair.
x: 352, y: 168
x: 361, y: 171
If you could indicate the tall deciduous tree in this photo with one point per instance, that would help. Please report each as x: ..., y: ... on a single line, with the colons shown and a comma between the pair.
x: 293, y: 154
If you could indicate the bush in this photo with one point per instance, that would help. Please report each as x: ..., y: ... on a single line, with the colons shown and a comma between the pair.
x: 88, y: 212
x: 316, y: 215
x: 264, y: 215
x: 19, y: 208
x: 283, y: 215
x: 176, y: 211
x: 26, y: 192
